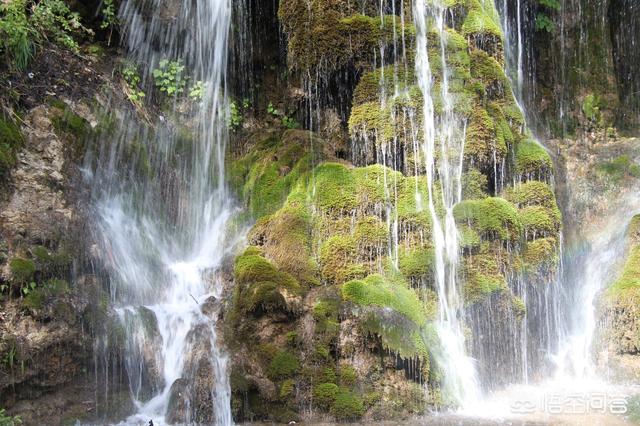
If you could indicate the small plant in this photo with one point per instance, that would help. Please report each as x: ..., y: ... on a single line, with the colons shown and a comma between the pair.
x: 543, y: 19
x: 235, y: 116
x: 290, y: 122
x: 54, y: 19
x: 272, y: 110
x: 544, y: 23
x: 9, y: 358
x: 132, y: 78
x: 236, y: 113
x: 109, y: 18
x: 16, y: 33
x: 7, y: 420
x: 28, y: 288
x: 169, y: 77
x: 197, y: 91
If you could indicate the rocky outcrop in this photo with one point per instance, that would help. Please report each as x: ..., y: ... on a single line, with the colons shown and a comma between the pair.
x: 52, y: 305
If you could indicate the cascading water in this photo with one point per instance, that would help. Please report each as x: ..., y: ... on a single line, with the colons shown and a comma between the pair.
x: 162, y: 212
x: 458, y: 369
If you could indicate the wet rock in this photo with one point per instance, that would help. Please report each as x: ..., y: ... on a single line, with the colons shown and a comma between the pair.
x: 178, y: 409
x: 144, y: 364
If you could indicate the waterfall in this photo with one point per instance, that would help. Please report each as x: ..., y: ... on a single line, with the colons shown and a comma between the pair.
x: 162, y: 212
x: 460, y: 382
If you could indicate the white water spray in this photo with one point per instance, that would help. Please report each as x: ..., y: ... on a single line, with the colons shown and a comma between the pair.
x: 164, y: 231
x: 459, y: 372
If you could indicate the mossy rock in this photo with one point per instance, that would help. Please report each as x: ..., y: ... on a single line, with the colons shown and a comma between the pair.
x: 283, y: 365
x: 540, y: 254
x: 531, y: 193
x: 532, y: 160
x: 483, y: 147
x: 22, y: 270
x: 483, y: 277
x: 539, y: 221
x: 260, y: 285
x: 376, y: 290
x: 329, y: 34
x: 474, y: 185
x: 492, y: 218
x: 335, y: 188
x: 338, y: 260
x: 416, y: 264
x: 267, y: 174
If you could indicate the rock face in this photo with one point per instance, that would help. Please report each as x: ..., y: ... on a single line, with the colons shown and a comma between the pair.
x: 335, y: 298
x: 51, y: 303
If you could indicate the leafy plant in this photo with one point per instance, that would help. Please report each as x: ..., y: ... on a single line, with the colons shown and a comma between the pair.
x: 235, y: 116
x: 9, y: 358
x: 236, y: 113
x: 290, y: 122
x: 109, y: 18
x: 197, y: 91
x: 132, y: 78
x: 272, y: 110
x: 16, y: 33
x: 54, y: 19
x: 544, y: 23
x: 28, y: 288
x: 23, y: 27
x: 169, y: 77
x: 7, y: 420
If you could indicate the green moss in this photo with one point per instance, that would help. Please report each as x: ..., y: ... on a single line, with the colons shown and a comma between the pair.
x: 348, y: 375
x: 11, y: 140
x: 417, y: 263
x: 330, y: 34
x: 259, y: 285
x: 337, y: 260
x: 335, y: 188
x: 630, y: 277
x: 286, y: 389
x: 469, y: 238
x: 375, y: 185
x: 620, y: 168
x: 267, y: 174
x: 491, y: 217
x: 483, y: 277
x: 375, y: 290
x: 22, y: 270
x: 531, y: 193
x: 283, y: 365
x: 67, y: 122
x: 518, y: 306
x: 487, y: 71
x: 482, y: 144
x: 539, y: 221
x: 474, y: 185
x: 328, y: 375
x: 35, y: 299
x: 540, y: 254
x: 347, y: 406
x: 285, y: 237
x: 371, y: 234
x: 325, y: 395
x: 482, y: 19
x: 412, y: 202
x: 532, y: 159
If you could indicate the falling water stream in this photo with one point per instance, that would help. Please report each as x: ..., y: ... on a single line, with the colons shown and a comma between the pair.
x: 458, y: 369
x: 162, y: 213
